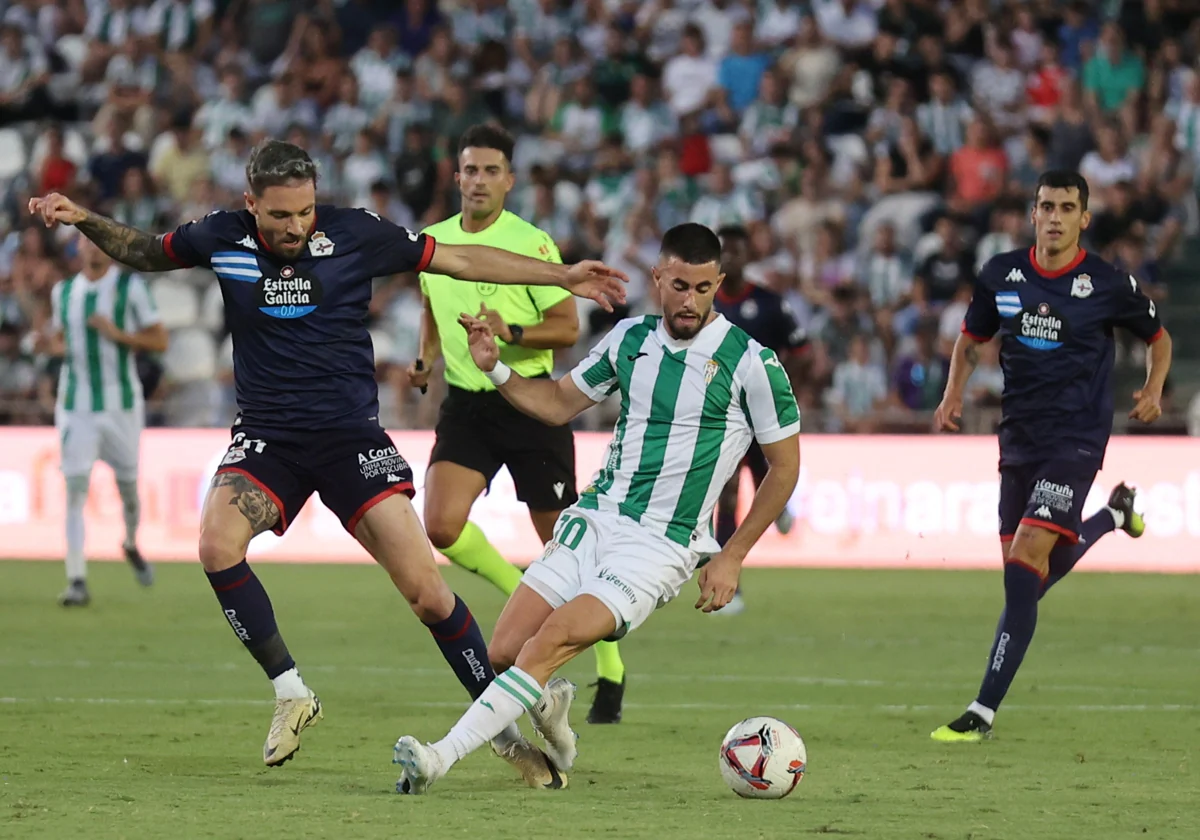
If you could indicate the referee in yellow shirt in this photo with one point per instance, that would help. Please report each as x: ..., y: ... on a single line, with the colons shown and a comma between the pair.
x: 478, y: 431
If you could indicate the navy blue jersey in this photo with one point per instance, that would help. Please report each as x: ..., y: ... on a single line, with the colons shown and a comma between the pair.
x: 302, y: 355
x: 1057, y: 350
x: 764, y: 315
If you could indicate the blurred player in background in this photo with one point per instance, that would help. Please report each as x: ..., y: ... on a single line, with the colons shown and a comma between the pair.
x: 102, y: 317
x: 695, y: 390
x: 296, y: 279
x: 478, y: 431
x: 1054, y: 307
x: 767, y: 318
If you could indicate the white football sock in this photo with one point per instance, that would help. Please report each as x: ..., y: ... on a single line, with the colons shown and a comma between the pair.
x: 131, y: 507
x: 983, y: 711
x: 502, y: 703
x: 1118, y: 517
x: 289, y: 686
x: 77, y: 493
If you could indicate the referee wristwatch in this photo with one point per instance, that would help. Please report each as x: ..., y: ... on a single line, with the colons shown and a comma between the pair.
x: 517, y: 331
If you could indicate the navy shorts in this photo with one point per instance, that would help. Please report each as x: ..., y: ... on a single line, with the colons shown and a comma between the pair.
x: 1049, y: 495
x: 351, y: 469
x: 482, y: 431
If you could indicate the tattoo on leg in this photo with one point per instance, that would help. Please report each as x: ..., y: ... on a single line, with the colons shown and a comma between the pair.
x: 250, y: 501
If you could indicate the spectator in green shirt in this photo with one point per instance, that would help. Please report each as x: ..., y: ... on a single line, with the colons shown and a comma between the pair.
x: 1113, y: 74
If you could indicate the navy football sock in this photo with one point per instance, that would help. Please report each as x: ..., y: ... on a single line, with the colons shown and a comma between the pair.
x: 248, y: 611
x: 726, y: 525
x: 1064, y: 556
x: 1017, y: 623
x: 461, y: 642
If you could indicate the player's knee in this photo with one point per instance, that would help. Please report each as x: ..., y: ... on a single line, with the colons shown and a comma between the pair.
x: 219, y: 551
x: 431, y: 600
x: 443, y: 532
x: 1029, y: 556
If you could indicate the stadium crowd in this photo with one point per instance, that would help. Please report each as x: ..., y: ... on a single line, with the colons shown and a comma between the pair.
x: 877, y: 151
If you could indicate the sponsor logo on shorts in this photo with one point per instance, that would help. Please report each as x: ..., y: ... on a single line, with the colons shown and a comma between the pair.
x: 608, y: 577
x: 559, y: 487
x: 1060, y: 497
x: 381, y: 462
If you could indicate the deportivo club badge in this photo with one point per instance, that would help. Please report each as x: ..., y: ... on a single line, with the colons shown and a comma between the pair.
x: 1081, y: 286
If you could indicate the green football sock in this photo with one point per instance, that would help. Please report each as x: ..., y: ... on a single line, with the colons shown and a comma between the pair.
x: 608, y: 662
x: 474, y: 553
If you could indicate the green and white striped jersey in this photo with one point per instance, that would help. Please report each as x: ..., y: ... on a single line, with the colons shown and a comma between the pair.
x: 98, y: 374
x: 689, y: 410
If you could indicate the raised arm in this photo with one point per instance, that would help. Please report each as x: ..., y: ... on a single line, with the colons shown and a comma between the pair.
x: 130, y: 246
x: 480, y: 263
x: 555, y: 402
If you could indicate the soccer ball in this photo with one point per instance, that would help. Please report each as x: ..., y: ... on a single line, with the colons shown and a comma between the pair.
x: 762, y: 758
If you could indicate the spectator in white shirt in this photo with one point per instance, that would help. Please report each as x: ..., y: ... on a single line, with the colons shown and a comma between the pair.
x: 689, y: 77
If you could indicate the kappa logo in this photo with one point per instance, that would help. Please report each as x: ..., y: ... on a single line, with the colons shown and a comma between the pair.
x: 320, y: 245
x: 248, y: 242
x: 1043, y: 512
x: 393, y: 478
x: 1081, y: 286
x: 559, y: 487
x: 1015, y: 276
x: 711, y: 369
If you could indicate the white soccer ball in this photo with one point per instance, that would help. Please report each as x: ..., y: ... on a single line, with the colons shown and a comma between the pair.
x: 763, y: 758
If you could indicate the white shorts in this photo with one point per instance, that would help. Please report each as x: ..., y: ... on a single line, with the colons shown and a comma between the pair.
x: 611, y: 557
x: 109, y: 436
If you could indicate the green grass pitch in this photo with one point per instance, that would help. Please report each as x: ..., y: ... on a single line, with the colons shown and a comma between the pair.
x: 141, y: 716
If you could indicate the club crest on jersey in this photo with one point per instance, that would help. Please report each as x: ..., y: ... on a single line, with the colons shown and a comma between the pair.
x: 486, y: 289
x: 320, y: 245
x: 749, y: 310
x: 711, y: 369
x: 1081, y: 286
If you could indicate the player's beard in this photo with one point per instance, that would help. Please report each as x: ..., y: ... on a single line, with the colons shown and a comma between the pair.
x: 289, y: 248
x: 686, y: 330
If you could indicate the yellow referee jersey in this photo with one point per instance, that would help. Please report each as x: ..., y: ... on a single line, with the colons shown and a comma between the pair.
x: 523, y: 305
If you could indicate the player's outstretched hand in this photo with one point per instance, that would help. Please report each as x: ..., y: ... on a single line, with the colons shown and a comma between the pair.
x: 948, y: 414
x: 56, y: 208
x: 481, y: 341
x: 1147, y: 406
x: 596, y: 281
x: 718, y: 581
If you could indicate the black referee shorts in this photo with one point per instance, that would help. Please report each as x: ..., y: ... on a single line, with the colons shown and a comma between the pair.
x: 482, y: 431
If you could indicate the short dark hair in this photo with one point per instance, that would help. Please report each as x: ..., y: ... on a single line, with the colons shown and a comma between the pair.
x: 733, y: 232
x: 274, y: 163
x: 1063, y: 179
x: 487, y: 136
x: 693, y: 243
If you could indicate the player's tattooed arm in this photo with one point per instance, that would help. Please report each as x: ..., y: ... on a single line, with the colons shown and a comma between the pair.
x: 250, y: 500
x: 971, y: 354
x: 135, y: 248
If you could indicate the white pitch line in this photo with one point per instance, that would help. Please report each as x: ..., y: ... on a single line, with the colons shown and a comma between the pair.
x: 740, y: 707
x: 389, y: 670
